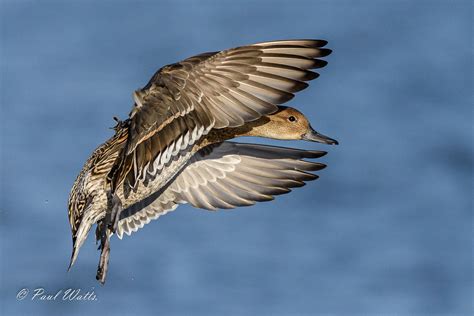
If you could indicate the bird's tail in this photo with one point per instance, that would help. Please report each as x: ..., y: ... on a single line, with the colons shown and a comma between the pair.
x: 80, y: 236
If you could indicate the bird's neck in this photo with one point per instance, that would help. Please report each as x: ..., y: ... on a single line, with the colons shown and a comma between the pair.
x: 254, y: 128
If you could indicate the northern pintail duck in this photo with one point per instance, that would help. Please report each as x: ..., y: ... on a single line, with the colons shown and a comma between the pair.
x: 174, y: 149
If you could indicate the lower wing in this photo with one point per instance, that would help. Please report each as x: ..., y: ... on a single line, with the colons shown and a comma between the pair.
x: 226, y: 175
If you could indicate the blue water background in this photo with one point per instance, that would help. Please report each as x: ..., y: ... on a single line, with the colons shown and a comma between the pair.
x: 386, y: 230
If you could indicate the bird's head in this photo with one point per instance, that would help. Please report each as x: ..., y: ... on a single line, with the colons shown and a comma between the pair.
x: 288, y: 124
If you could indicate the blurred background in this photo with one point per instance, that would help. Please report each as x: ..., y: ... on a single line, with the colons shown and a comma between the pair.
x: 386, y: 230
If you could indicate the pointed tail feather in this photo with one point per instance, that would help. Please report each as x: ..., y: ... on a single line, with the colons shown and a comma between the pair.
x: 80, y: 237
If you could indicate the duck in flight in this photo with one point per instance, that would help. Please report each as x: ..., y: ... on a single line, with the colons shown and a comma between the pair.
x: 174, y: 148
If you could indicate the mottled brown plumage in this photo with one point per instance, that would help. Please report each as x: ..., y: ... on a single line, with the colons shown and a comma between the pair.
x: 177, y: 130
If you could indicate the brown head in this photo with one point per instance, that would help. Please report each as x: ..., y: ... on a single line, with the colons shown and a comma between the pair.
x: 286, y: 124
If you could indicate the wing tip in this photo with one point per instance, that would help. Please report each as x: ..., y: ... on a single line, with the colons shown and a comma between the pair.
x: 313, y: 153
x: 303, y: 42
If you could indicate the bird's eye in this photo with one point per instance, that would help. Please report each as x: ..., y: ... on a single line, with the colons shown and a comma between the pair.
x: 292, y: 119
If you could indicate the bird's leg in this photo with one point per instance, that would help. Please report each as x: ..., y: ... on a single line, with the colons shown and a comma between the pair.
x: 102, y: 234
x: 104, y: 254
x: 98, y: 233
x: 115, y: 213
x: 106, y: 227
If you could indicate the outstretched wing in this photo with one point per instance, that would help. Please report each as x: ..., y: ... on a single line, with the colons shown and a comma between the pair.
x: 227, y: 175
x: 236, y: 174
x: 184, y: 101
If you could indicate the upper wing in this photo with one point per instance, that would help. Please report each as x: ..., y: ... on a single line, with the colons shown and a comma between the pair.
x: 183, y: 101
x: 227, y: 175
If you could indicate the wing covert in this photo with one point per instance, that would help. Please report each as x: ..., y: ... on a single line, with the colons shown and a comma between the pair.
x: 184, y: 101
x: 226, y: 175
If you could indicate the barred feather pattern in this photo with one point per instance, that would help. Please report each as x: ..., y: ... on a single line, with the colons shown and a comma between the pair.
x: 179, y: 106
x: 225, y: 176
x: 90, y: 183
x: 212, y: 91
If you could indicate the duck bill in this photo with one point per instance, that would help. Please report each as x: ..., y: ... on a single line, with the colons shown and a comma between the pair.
x: 314, y: 136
